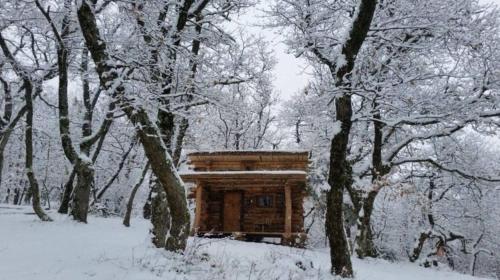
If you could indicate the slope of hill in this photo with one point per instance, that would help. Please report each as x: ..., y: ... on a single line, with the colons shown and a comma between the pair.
x: 104, y: 249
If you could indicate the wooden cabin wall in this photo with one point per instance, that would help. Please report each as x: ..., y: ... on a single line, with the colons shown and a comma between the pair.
x: 297, y: 209
x: 272, y: 219
x: 254, y: 218
x: 213, y: 217
x: 260, y: 219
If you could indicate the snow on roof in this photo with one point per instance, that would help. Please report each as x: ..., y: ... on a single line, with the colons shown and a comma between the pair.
x: 247, y: 152
x: 253, y: 172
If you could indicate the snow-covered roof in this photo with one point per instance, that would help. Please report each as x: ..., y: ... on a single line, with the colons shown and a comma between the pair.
x: 254, y: 156
x: 245, y: 151
x: 253, y: 172
x: 248, y: 152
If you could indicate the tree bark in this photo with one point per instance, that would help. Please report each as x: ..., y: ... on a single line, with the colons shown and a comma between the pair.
x: 81, y: 193
x: 337, y: 177
x: 365, y: 246
x: 160, y: 216
x: 183, y: 127
x: 17, y: 196
x: 4, y: 121
x: 154, y: 148
x: 26, y: 195
x: 68, y: 189
x: 35, y: 190
x: 146, y: 209
x: 165, y: 171
x: 338, y: 174
x: 364, y: 238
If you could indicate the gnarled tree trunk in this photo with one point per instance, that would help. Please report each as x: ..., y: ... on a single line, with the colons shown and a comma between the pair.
x: 338, y: 174
x: 160, y: 216
x: 337, y: 178
x: 364, y: 238
x: 154, y: 148
x: 35, y: 190
x: 81, y: 193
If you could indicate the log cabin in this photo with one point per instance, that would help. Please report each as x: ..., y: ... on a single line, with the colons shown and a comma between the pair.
x: 249, y: 194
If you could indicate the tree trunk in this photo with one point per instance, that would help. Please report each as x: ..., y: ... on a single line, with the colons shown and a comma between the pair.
x: 68, y: 187
x: 26, y: 196
x: 165, y: 171
x: 35, y: 192
x: 338, y: 174
x: 183, y: 126
x: 17, y: 195
x: 337, y: 177
x: 364, y: 238
x: 4, y: 120
x: 154, y: 148
x: 130, y: 203
x: 82, y: 165
x: 160, y: 216
x: 7, y: 197
x: 81, y: 193
x: 146, y: 209
x: 66, y: 198
x: 1, y: 165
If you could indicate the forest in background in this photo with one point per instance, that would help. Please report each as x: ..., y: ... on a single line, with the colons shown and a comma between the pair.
x: 101, y: 99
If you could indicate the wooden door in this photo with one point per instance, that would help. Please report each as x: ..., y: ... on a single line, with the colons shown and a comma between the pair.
x: 232, y: 211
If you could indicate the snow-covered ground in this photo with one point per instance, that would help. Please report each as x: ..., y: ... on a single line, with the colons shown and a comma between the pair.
x: 105, y: 249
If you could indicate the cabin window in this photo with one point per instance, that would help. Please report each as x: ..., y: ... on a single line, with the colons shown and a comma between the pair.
x: 265, y: 201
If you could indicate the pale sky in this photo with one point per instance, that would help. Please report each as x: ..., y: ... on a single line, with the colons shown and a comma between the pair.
x: 290, y: 72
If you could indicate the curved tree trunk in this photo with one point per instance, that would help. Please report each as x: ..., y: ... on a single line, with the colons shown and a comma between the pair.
x: 130, y: 203
x: 35, y: 192
x: 154, y: 148
x: 165, y: 171
x: 338, y: 173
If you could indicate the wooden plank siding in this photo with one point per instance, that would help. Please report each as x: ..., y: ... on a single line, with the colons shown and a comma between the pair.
x: 252, y: 215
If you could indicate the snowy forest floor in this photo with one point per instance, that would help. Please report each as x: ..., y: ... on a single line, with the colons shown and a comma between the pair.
x: 105, y: 249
